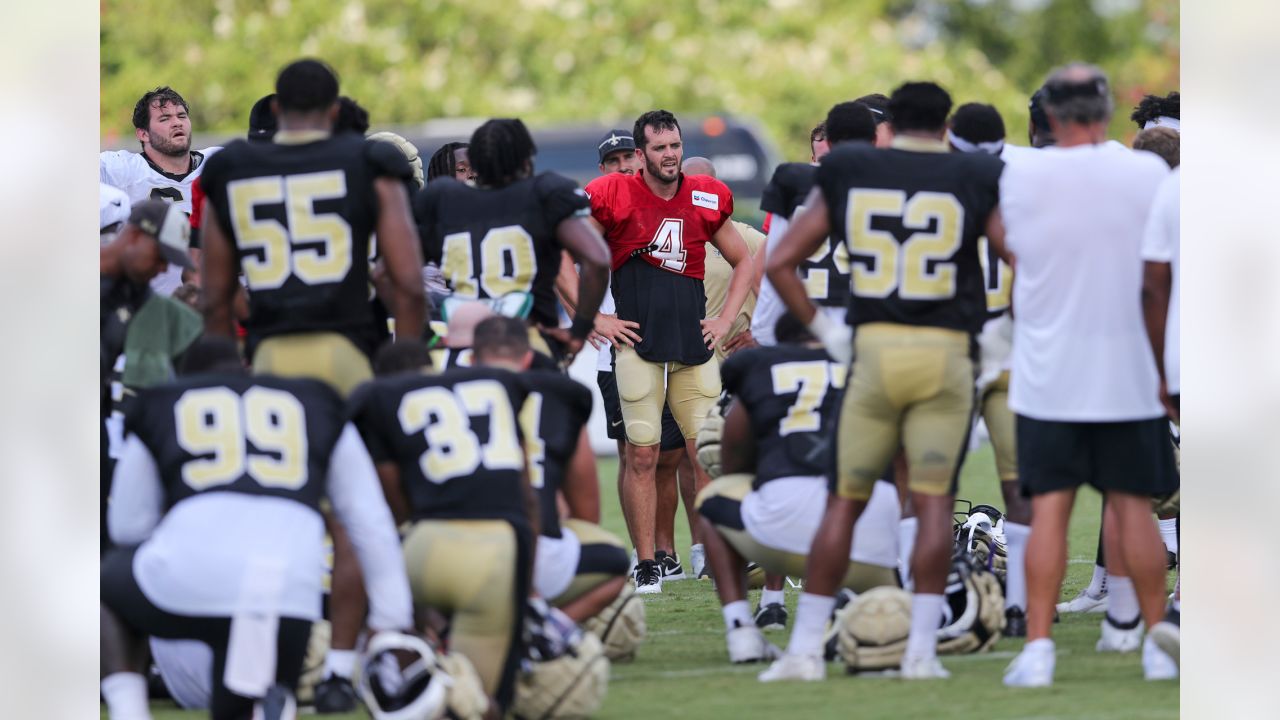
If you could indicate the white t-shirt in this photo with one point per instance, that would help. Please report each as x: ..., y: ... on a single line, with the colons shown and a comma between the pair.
x: 1075, y: 219
x: 1160, y: 244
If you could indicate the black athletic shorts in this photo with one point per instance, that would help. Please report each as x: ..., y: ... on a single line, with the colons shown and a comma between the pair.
x: 1133, y: 457
x: 672, y: 438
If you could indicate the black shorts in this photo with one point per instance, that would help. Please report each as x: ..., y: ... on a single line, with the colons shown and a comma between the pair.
x: 1133, y: 457
x: 672, y: 438
x: 121, y: 594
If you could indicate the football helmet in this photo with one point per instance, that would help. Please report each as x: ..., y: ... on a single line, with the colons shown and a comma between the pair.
x: 410, y: 153
x: 565, y: 672
x: 416, y: 691
x: 708, y: 440
x: 979, y: 533
x: 872, y: 630
x: 974, y: 610
x: 620, y: 626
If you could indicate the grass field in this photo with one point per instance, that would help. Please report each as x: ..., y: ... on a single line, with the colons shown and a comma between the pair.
x: 682, y: 671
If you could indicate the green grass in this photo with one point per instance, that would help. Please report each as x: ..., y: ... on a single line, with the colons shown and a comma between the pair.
x: 683, y: 672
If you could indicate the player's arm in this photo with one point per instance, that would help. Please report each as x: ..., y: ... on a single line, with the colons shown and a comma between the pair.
x: 757, y: 265
x: 218, y: 274
x: 353, y: 489
x: 584, y: 243
x: 996, y: 236
x: 400, y: 249
x: 137, y: 497
x: 567, y: 283
x: 393, y: 491
x: 581, y: 484
x: 1157, y: 283
x: 737, y: 442
x: 734, y: 249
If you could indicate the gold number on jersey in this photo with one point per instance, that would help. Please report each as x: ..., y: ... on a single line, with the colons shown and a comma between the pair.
x: 318, y: 250
x: 500, y: 248
x: 918, y: 268
x: 808, y: 379
x: 535, y: 448
x: 443, y: 415
x: 668, y: 244
x: 216, y: 421
x: 998, y: 274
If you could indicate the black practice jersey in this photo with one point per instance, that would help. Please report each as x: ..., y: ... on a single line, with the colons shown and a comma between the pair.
x: 826, y: 272
x: 493, y: 241
x: 258, y: 435
x: 552, y: 419
x: 300, y: 217
x: 792, y: 394
x: 455, y: 438
x: 911, y: 221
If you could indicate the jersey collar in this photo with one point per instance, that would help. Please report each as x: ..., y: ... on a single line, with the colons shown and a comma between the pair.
x: 915, y: 144
x: 639, y: 176
x: 196, y: 158
x: 299, y: 137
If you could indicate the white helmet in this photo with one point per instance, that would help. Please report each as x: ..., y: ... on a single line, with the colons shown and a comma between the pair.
x: 415, y: 692
x: 974, y: 611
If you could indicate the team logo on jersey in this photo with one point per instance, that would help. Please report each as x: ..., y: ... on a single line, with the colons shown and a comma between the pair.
x: 711, y: 201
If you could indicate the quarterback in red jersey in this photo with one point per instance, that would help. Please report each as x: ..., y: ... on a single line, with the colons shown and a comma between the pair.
x: 657, y: 224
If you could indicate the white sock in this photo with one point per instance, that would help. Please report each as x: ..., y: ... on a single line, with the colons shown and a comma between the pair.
x: 340, y: 662
x: 1169, y: 534
x: 1122, y: 605
x: 926, y: 612
x: 1098, y: 585
x: 906, y: 543
x: 770, y: 597
x: 737, y: 613
x: 812, y: 614
x: 1016, y: 579
x: 126, y: 696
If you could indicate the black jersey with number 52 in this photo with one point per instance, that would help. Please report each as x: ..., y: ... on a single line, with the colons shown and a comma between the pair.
x: 911, y: 217
x: 792, y: 394
x: 826, y: 272
x: 552, y: 419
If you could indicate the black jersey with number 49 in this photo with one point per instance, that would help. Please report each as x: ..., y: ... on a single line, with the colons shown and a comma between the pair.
x: 300, y: 217
x: 493, y: 241
x: 911, y: 217
x: 826, y: 272
x: 552, y: 419
x: 792, y: 394
x: 256, y: 435
x: 455, y: 438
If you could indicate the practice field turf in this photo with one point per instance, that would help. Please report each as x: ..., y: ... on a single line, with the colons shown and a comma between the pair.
x: 682, y: 670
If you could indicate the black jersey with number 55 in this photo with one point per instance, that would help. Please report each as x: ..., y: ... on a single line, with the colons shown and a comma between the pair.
x: 300, y: 217
x: 493, y: 241
x: 826, y: 272
x: 552, y: 419
x: 792, y: 394
x: 911, y: 216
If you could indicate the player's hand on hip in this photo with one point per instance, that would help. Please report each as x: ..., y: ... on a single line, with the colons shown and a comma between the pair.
x: 741, y: 341
x: 714, y: 329
x: 617, y: 331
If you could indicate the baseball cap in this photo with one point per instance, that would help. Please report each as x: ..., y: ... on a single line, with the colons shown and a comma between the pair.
x: 262, y: 123
x: 169, y: 226
x: 614, y: 141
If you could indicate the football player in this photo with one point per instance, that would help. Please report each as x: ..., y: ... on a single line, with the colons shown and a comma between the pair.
x: 505, y: 234
x: 658, y: 223
x: 253, y: 457
x: 448, y: 450
x: 165, y: 168
x: 458, y: 350
x: 775, y: 452
x: 451, y: 161
x: 911, y: 216
x: 296, y: 216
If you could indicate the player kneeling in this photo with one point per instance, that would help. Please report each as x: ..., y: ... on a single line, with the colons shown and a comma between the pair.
x: 781, y: 426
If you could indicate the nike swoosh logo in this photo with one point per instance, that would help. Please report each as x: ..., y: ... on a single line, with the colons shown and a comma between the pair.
x: 615, y: 424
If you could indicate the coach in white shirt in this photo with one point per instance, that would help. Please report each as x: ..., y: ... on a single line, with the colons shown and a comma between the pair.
x: 1084, y: 382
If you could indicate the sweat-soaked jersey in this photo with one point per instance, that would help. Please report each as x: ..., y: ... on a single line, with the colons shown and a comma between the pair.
x: 493, y: 241
x: 300, y: 217
x: 554, y: 414
x: 826, y: 272
x: 792, y: 394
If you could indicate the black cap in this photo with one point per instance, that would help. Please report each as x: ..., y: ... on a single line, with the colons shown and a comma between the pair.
x: 169, y: 226
x: 614, y: 141
x: 262, y: 122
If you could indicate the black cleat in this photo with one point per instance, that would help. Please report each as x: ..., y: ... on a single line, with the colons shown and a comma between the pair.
x: 1170, y: 560
x: 670, y: 564
x: 771, y: 617
x: 333, y: 695
x: 1015, y: 622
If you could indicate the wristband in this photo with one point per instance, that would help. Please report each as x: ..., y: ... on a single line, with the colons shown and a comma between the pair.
x: 581, y: 327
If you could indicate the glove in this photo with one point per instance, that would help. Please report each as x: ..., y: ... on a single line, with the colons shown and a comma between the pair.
x: 708, y: 444
x: 837, y: 338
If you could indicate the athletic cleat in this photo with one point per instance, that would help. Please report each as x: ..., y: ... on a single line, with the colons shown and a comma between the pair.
x: 672, y: 570
x: 747, y: 645
x: 923, y: 668
x: 1015, y: 622
x: 1171, y: 560
x: 771, y: 617
x: 698, y: 561
x: 806, y: 668
x: 648, y: 578
x: 1120, y: 638
x: 1166, y: 635
x: 334, y: 695
x: 1033, y: 667
x: 1084, y: 602
x: 1156, y: 664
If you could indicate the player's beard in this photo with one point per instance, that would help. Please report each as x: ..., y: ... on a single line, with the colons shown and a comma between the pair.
x: 655, y: 170
x: 173, y: 147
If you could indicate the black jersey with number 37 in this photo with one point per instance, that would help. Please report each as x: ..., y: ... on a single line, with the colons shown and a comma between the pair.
x: 826, y: 272
x: 792, y: 394
x: 493, y: 241
x: 911, y: 217
x: 552, y: 419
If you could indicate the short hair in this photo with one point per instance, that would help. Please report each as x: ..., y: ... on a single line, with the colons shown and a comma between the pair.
x: 789, y: 329
x: 1039, y: 118
x: 1162, y: 141
x: 499, y: 150
x: 850, y: 121
x: 401, y: 356
x: 819, y: 132
x: 1078, y: 93
x: 879, y: 105
x: 658, y: 119
x: 442, y: 162
x: 162, y: 95
x: 978, y: 123
x: 1152, y: 107
x: 919, y: 106
x: 306, y: 86
x: 210, y: 354
x: 352, y: 117
x: 500, y: 337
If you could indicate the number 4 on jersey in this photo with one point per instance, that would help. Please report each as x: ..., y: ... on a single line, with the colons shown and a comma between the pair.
x: 668, y: 244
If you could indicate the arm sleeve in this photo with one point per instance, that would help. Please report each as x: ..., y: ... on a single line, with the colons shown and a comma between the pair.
x: 358, y: 502
x: 137, y: 497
